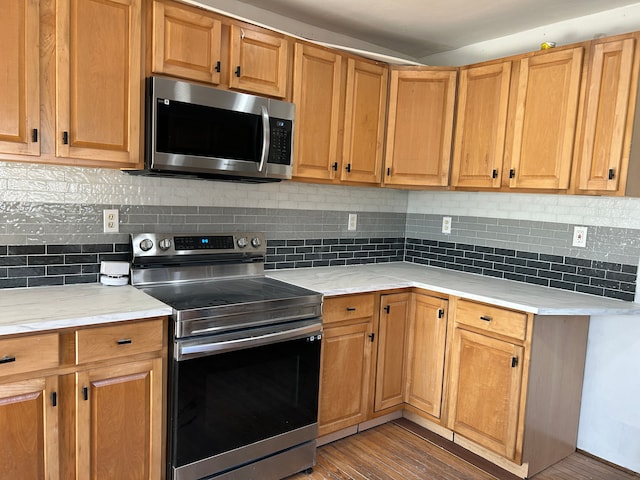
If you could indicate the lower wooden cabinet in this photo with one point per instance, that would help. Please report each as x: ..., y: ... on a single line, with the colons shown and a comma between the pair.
x: 84, y: 404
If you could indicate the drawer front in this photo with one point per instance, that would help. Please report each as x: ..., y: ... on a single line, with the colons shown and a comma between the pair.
x: 341, y: 308
x: 492, y: 319
x: 28, y: 354
x: 102, y: 343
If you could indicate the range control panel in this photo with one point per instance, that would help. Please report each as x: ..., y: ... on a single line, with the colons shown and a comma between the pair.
x: 164, y: 245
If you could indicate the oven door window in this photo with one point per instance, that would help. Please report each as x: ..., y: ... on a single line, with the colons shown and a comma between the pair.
x: 232, y: 399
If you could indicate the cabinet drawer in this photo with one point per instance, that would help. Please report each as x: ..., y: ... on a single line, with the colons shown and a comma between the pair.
x: 338, y: 309
x: 492, y: 319
x: 102, y: 343
x: 28, y: 354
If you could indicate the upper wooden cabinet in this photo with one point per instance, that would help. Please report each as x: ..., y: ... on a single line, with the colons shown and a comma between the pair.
x: 19, y: 81
x: 610, y: 101
x: 544, y: 119
x: 259, y: 60
x: 318, y: 96
x: 186, y: 42
x: 340, y: 116
x: 99, y: 84
x: 481, y: 125
x: 420, y: 126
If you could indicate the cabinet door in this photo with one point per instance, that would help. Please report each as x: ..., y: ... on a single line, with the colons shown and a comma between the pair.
x: 392, y: 334
x: 344, y: 376
x: 484, y: 402
x: 425, y: 353
x: 317, y: 95
x: 608, y: 116
x: 364, y: 121
x: 99, y: 81
x: 119, y: 421
x: 420, y: 127
x: 19, y: 81
x: 547, y: 96
x: 29, y: 433
x: 186, y: 43
x: 481, y: 125
x: 259, y: 61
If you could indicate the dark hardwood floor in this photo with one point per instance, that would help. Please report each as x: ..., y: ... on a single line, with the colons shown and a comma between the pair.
x: 398, y: 451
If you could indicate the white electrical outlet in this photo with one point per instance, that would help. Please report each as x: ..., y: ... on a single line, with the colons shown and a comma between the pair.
x: 111, y: 221
x: 579, y: 236
x: 446, y: 224
x: 353, y: 222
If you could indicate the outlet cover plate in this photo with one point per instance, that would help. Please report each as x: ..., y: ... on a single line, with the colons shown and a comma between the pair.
x: 446, y: 224
x: 111, y: 221
x: 579, y: 236
x: 353, y: 222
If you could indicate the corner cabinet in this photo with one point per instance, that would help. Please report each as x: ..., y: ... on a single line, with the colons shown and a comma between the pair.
x: 547, y: 92
x: 186, y: 42
x: 99, y: 75
x: 345, y: 369
x: 20, y: 79
x: 420, y: 126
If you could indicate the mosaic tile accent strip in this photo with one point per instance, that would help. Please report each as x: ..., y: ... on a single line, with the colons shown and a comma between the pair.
x: 332, y: 252
x: 606, y: 279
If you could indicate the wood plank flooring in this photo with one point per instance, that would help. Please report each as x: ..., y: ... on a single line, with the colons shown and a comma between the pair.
x: 393, y: 452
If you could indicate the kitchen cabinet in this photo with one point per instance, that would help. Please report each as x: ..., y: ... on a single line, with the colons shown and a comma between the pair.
x: 420, y: 126
x: 364, y: 121
x: 481, y: 125
x: 345, y: 370
x: 391, y: 358
x: 186, y: 42
x: 29, y: 407
x: 20, y: 81
x: 340, y: 112
x: 99, y: 81
x: 259, y: 60
x: 426, y: 341
x: 607, y: 122
x: 515, y: 382
x: 319, y: 98
x: 547, y: 91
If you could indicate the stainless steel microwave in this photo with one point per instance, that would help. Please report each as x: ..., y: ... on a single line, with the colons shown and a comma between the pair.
x: 198, y: 131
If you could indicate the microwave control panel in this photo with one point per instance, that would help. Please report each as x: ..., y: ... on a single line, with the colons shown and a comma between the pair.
x: 280, y: 141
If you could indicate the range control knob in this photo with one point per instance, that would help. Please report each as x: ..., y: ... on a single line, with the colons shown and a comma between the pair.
x: 256, y: 242
x: 242, y: 242
x: 146, y: 245
x: 165, y: 244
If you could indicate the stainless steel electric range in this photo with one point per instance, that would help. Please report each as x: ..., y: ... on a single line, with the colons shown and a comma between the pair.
x: 244, y: 357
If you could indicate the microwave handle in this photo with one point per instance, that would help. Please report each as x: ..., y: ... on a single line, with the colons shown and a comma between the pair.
x: 266, y: 134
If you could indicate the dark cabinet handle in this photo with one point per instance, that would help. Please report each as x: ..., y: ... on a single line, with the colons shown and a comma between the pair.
x: 372, y: 336
x: 440, y: 312
x: 238, y: 71
x: 351, y: 309
x: 512, y: 173
x: 612, y: 174
x: 7, y: 359
x: 335, y: 166
x: 54, y: 399
x: 65, y: 138
x: 217, y: 67
x: 514, y: 362
x: 124, y: 341
x: 85, y: 393
x: 388, y: 171
x: 348, y: 167
x: 34, y: 135
x: 485, y: 318
x: 494, y: 173
x: 387, y: 308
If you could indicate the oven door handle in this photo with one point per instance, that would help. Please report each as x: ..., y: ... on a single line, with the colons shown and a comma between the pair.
x: 192, y: 349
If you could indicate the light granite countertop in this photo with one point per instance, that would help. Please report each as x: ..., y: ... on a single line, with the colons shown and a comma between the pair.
x: 44, y: 308
x: 504, y: 293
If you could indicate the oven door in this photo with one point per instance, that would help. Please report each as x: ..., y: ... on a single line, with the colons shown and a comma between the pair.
x: 240, y: 397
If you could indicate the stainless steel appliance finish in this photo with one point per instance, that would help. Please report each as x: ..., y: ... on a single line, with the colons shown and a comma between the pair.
x: 198, y: 131
x: 245, y: 357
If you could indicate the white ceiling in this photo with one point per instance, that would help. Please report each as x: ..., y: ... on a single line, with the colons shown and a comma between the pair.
x: 418, y: 28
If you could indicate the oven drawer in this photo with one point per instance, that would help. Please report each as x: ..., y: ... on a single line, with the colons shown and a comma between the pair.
x: 102, y: 343
x: 347, y: 307
x: 28, y: 354
x: 492, y: 319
